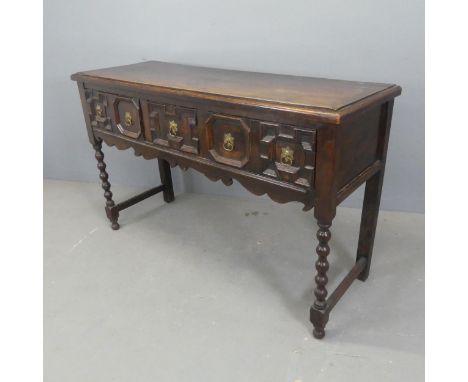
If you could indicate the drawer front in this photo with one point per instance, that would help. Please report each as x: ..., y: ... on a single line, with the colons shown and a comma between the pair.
x: 173, y: 126
x: 287, y: 153
x: 126, y: 115
x: 115, y: 113
x: 99, y: 112
x: 228, y: 139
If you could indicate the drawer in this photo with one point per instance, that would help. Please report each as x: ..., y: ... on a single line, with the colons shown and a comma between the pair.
x: 172, y: 126
x: 99, y: 115
x: 279, y: 151
x: 228, y: 139
x: 115, y: 113
x: 287, y: 153
x: 126, y: 116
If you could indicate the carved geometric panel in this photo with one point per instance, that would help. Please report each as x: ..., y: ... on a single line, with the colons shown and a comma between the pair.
x: 127, y: 116
x: 288, y: 153
x: 98, y: 105
x: 228, y: 139
x: 174, y: 127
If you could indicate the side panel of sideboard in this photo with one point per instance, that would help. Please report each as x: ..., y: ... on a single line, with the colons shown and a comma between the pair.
x: 361, y: 143
x: 358, y: 144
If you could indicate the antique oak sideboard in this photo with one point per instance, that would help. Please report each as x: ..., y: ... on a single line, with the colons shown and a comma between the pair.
x: 309, y: 140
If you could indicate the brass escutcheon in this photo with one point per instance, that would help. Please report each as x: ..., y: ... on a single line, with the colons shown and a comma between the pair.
x: 128, y: 118
x: 98, y: 110
x: 287, y: 156
x: 228, y: 143
x: 173, y: 128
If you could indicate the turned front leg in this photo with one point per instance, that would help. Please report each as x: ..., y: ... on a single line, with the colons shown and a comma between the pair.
x: 111, y: 210
x: 318, y: 312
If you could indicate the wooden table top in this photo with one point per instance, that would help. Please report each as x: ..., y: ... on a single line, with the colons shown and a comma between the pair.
x: 261, y: 89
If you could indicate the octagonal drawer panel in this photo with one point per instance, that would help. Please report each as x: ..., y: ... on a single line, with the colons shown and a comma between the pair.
x: 228, y: 139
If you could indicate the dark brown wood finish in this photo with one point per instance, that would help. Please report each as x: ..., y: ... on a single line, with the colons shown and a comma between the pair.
x: 166, y: 180
x: 318, y: 97
x: 308, y: 140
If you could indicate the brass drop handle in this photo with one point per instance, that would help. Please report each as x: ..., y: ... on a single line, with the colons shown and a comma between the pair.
x: 287, y: 156
x: 173, y: 128
x: 128, y: 119
x: 98, y: 110
x: 228, y: 143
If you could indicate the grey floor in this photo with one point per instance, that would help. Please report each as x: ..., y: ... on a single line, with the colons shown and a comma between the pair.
x: 211, y: 288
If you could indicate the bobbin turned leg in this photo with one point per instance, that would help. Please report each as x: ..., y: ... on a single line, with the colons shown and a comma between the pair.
x: 111, y: 210
x: 318, y: 311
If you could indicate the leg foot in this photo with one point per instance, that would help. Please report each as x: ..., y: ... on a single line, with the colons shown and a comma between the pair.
x: 113, y: 215
x: 319, y: 319
x: 168, y: 198
x: 111, y: 210
x: 318, y: 333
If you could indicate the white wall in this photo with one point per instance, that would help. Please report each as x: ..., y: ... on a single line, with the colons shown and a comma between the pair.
x: 365, y: 40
